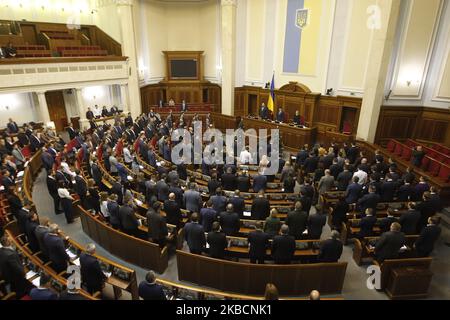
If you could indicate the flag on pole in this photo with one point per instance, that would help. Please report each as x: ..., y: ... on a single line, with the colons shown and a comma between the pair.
x: 271, y: 102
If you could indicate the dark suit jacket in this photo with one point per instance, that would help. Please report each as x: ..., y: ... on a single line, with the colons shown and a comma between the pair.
x: 370, y: 200
x: 353, y: 192
x: 315, y: 225
x: 151, y: 291
x: 43, y: 294
x: 387, y: 191
x: 405, y: 192
x: 366, y: 226
x: 173, y: 212
x: 195, y: 236
x: 217, y: 244
x: 229, y: 181
x: 243, y: 183
x: 428, y: 237
x: 283, y: 248
x: 80, y: 186
x: 259, y: 183
x: 11, y: 268
x: 238, y: 204
x: 52, y: 186
x: 66, y: 295
x: 12, y: 127
x: 409, y: 221
x: 330, y: 251
x: 114, y: 212
x: 230, y: 223
x: 56, y: 249
x: 388, y: 245
x: 219, y: 203
x: 91, y: 273
x: 259, y: 242
x: 128, y: 219
x: 207, y: 217
x: 385, y: 223
x: 157, y: 226
x: 296, y: 220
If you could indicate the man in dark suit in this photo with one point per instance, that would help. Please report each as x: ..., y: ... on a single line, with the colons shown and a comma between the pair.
x: 40, y: 232
x: 263, y: 112
x: 410, y: 219
x: 91, y: 273
x: 297, y: 119
x: 7, y: 180
x: 259, y: 242
x: 238, y: 203
x: 35, y: 142
x: 331, y: 249
x: 243, y: 182
x: 280, y: 115
x: 72, y: 132
x: 353, y: 153
x: 219, y: 201
x: 149, y: 289
x: 367, y: 223
x: 388, y: 188
x: 259, y: 183
x: 195, y: 235
x: 283, y: 246
x: 344, y: 178
x: 12, y: 127
x: 207, y: 216
x: 56, y: 249
x: 47, y: 160
x: 96, y: 173
x: 23, y: 138
x: 405, y: 192
x: 311, y: 163
x: 389, y: 244
x: 128, y: 219
x: 157, y: 225
x: 369, y: 200
x: 229, y: 221
x: 52, y: 186
x: 217, y: 241
x: 430, y: 234
x: 43, y: 292
x: 385, y: 223
x: 172, y: 210
x: 229, y: 181
x: 315, y: 223
x: 80, y: 187
x: 11, y: 269
x: 296, y: 221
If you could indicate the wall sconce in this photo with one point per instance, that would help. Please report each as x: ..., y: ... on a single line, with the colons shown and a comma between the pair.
x: 329, y: 91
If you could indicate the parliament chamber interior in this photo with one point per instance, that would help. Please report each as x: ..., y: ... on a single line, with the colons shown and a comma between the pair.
x: 225, y: 150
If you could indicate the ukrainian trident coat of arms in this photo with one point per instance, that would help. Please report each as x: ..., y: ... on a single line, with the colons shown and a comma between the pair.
x: 301, y: 18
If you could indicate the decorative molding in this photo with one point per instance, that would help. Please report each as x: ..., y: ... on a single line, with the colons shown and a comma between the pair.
x: 446, y: 60
x: 124, y: 2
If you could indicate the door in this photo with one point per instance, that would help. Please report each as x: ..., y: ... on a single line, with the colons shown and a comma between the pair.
x: 57, y: 109
x: 29, y: 33
x: 253, y: 104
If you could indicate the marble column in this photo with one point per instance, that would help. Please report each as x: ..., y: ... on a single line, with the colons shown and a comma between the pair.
x: 228, y: 55
x: 43, y: 108
x: 125, y: 9
x: 82, y: 109
x: 377, y: 71
x: 124, y: 98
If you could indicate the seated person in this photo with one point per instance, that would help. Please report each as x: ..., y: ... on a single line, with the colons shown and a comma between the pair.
x: 11, y: 52
x: 149, y: 289
x: 105, y: 112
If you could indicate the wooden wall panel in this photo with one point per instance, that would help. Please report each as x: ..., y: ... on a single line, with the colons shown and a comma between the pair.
x: 429, y: 125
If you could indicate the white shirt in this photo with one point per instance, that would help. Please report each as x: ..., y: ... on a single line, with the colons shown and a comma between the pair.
x: 245, y: 157
x: 128, y: 158
x: 362, y: 175
x: 66, y: 169
x: 64, y: 193
x: 97, y: 112
x: 104, y: 209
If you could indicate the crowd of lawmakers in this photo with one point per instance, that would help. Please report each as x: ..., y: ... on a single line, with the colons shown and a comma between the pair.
x: 120, y: 147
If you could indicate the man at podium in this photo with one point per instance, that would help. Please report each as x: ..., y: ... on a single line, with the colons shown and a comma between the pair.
x: 280, y: 115
x: 263, y: 112
x: 298, y: 120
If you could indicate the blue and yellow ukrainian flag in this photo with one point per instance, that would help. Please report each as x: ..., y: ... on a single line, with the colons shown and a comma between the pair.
x: 301, y: 43
x: 271, y: 101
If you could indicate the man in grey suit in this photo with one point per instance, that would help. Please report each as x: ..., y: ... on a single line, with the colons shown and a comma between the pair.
x: 326, y: 183
x: 195, y: 235
x: 192, y: 199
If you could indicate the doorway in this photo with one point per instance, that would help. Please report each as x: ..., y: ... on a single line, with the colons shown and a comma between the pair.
x: 57, y: 109
x: 253, y: 104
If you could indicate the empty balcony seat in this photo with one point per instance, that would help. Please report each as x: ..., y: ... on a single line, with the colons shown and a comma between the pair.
x: 444, y: 173
x: 398, y: 149
x: 406, y: 153
x: 391, y: 146
x: 434, y: 167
